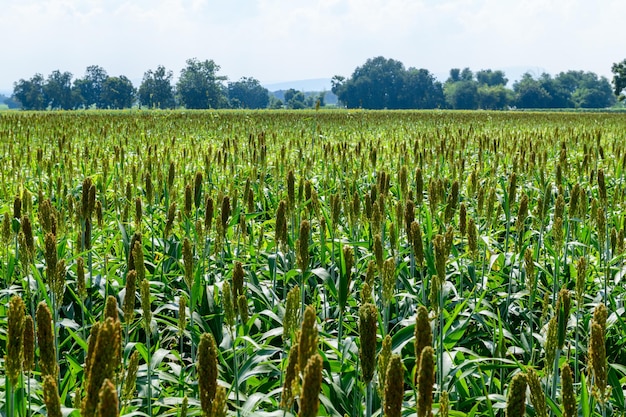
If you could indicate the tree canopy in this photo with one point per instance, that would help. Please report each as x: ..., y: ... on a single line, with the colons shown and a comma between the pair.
x: 199, y: 86
x: 380, y: 83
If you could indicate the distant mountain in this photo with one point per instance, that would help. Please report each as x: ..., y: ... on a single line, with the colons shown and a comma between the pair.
x: 317, y: 84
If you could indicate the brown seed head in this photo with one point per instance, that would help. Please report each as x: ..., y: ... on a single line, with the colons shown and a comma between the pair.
x: 292, y: 313
x: 394, y: 386
x: 311, y: 387
x: 207, y: 371
x: 425, y: 382
x: 307, y: 342
x: 423, y: 333
x: 29, y: 344
x: 225, y: 214
x: 45, y: 341
x: 303, y: 246
x: 108, y: 405
x: 188, y: 262
x: 568, y: 397
x: 368, y: 319
x: 129, y: 296
x: 51, y: 396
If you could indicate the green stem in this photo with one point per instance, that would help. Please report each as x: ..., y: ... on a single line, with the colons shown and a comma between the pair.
x: 149, y: 372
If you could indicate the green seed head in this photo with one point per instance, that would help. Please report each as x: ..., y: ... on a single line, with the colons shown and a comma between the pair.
x: 129, y: 297
x: 15, y: 339
x: 568, y: 397
x: 423, y: 333
x: 516, y: 399
x: 290, y: 384
x: 537, y: 397
x: 307, y: 341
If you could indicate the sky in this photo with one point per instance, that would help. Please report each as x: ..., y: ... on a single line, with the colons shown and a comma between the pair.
x: 275, y: 41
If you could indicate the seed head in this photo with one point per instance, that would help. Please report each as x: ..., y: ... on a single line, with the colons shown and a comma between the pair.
x: 51, y: 258
x: 197, y: 189
x: 529, y: 266
x: 563, y: 304
x: 129, y: 296
x: 51, y: 396
x: 15, y: 339
x: 537, y: 397
x: 303, y: 246
x: 311, y: 387
x: 568, y: 398
x: 281, y: 223
x: 462, y: 219
x: 601, y: 186
x: 290, y: 384
x: 29, y: 344
x: 207, y: 371
x: 425, y: 382
x: 291, y: 190
x: 551, y: 344
x: 394, y: 386
x: 516, y: 399
x: 368, y: 319
x: 597, y: 361
x: 110, y: 308
x: 472, y: 237
x: 138, y: 262
x: 383, y: 362
x: 208, y: 213
x: 242, y: 307
x: 108, y: 405
x: 219, y: 407
x: 307, y: 341
x: 169, y: 223
x: 292, y: 312
x: 45, y: 341
x: 131, y: 376
x: 225, y: 214
x: 423, y: 333
x: 188, y: 262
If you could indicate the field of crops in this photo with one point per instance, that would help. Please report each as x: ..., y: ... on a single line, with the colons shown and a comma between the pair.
x: 312, y: 263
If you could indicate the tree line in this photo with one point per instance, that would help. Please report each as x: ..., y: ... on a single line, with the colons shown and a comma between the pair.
x: 380, y: 83
x: 385, y: 83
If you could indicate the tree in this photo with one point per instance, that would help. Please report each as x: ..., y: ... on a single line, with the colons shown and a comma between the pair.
x: 422, y: 90
x: 586, y: 89
x: 619, y: 79
x: 248, y: 93
x: 530, y: 94
x: 491, y: 78
x: 295, y: 99
x: 156, y: 90
x: 199, y: 86
x: 58, y: 91
x: 89, y: 88
x: 117, y: 93
x: 29, y: 93
x: 462, y: 95
x: 495, y: 97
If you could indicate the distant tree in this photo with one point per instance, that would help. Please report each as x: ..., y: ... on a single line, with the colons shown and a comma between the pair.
x: 421, y: 90
x: 462, y: 95
x: 619, y: 79
x: 29, y: 93
x: 89, y: 88
x: 57, y: 91
x: 529, y: 93
x: 9, y: 102
x: 496, y: 97
x: 156, y: 90
x: 275, y: 102
x: 117, y: 93
x: 377, y: 84
x: 199, y: 86
x: 586, y: 89
x: 491, y: 78
x: 248, y: 93
x: 295, y: 99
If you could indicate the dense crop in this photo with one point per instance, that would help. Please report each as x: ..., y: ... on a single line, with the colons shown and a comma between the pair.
x: 316, y: 263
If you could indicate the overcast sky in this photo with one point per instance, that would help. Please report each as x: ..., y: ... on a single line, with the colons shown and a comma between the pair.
x: 276, y: 41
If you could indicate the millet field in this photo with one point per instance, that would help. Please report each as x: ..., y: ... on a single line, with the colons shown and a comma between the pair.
x: 312, y: 263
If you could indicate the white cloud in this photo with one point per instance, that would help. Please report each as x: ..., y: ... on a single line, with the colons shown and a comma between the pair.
x: 276, y: 40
